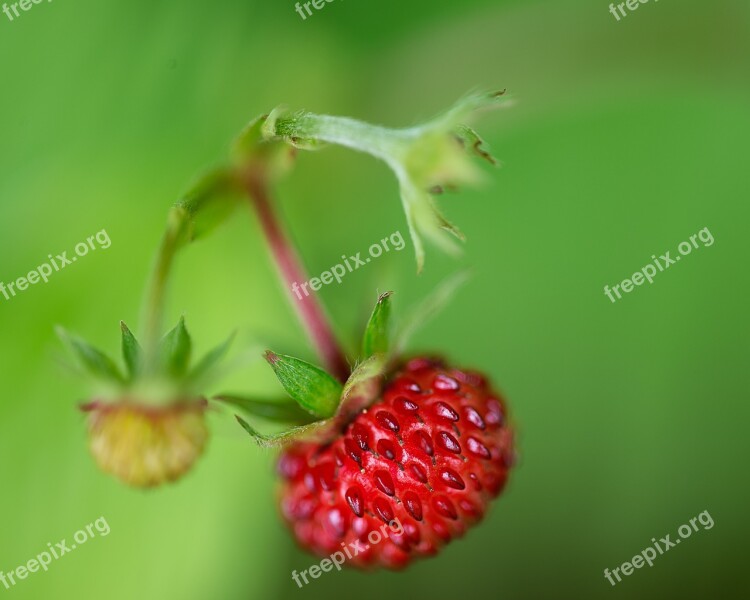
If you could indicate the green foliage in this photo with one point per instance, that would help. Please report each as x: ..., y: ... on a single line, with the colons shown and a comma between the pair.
x: 175, y: 349
x: 311, y: 387
x: 283, y: 410
x: 423, y: 158
x: 377, y: 333
x: 94, y: 361
x: 208, y: 363
x: 131, y: 351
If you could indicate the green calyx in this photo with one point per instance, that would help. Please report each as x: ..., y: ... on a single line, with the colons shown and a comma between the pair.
x: 164, y: 377
x: 425, y: 159
x: 376, y: 339
x: 161, y: 370
x: 317, y: 404
x: 311, y: 387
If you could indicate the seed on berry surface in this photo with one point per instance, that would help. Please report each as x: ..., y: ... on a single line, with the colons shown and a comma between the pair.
x: 473, y: 417
x: 446, y: 412
x: 495, y: 412
x: 444, y: 507
x: 422, y: 441
x: 361, y: 435
x: 336, y: 521
x: 387, y: 421
x: 384, y: 481
x: 386, y: 449
x: 324, y: 473
x: 383, y: 509
x: 354, y: 498
x: 445, y: 383
x: 411, y: 529
x: 477, y: 447
x: 291, y: 466
x: 418, y: 472
x: 413, y: 505
x: 405, y: 406
x: 452, y: 479
x: 447, y: 441
x: 353, y: 451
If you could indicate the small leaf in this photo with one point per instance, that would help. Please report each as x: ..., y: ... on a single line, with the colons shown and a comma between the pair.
x: 425, y: 219
x: 175, y: 349
x: 376, y: 336
x: 312, y: 430
x: 131, y: 351
x: 285, y: 411
x: 94, y: 361
x: 311, y: 387
x: 259, y: 437
x: 473, y: 143
x: 465, y: 108
x: 210, y: 360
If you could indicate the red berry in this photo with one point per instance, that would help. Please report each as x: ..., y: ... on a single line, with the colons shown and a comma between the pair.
x: 407, y: 475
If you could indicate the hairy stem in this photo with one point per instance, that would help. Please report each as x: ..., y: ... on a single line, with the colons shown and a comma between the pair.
x: 291, y: 271
x: 380, y: 142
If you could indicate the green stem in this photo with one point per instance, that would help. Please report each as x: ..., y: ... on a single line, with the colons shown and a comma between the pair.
x: 291, y: 271
x: 153, y: 308
x: 380, y: 142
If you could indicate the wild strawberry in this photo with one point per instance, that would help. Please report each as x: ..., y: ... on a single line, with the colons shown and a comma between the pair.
x: 427, y: 457
x: 401, y: 464
x: 148, y: 425
x: 145, y: 446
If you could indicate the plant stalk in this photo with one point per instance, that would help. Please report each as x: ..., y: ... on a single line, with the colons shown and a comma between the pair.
x: 291, y: 271
x: 153, y: 309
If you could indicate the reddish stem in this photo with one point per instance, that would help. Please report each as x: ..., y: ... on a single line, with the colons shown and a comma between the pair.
x: 291, y: 271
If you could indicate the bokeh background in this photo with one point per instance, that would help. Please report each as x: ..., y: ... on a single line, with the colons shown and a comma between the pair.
x: 627, y: 138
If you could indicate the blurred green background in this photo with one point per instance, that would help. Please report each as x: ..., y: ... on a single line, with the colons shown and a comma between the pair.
x: 627, y: 138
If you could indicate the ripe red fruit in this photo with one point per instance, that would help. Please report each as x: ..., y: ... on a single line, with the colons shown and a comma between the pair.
x: 427, y: 457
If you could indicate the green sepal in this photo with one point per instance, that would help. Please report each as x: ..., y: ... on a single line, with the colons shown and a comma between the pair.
x: 131, y: 351
x: 311, y: 387
x: 316, y: 430
x: 361, y: 389
x: 426, y: 157
x: 472, y: 142
x: 377, y: 333
x: 93, y: 360
x: 282, y: 411
x: 210, y: 360
x: 175, y: 350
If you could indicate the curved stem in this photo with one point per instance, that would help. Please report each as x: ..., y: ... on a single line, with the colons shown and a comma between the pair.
x: 292, y: 272
x: 153, y: 308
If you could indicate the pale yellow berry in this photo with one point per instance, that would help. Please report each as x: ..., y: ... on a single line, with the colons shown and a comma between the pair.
x: 146, y: 446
